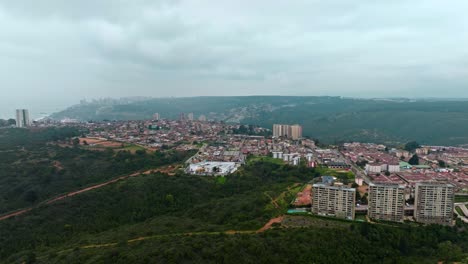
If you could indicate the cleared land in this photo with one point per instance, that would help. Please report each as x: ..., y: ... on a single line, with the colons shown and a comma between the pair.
x: 102, y: 143
x: 304, y: 197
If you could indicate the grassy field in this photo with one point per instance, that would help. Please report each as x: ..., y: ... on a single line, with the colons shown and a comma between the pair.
x: 254, y: 159
x: 336, y: 173
x: 461, y: 198
x: 132, y: 148
x: 360, y: 218
x: 221, y: 180
x: 459, y: 210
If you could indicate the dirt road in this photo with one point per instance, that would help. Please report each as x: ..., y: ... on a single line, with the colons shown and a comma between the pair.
x: 93, y: 187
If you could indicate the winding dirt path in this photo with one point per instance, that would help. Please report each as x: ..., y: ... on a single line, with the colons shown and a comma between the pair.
x: 73, y: 193
x: 270, y: 223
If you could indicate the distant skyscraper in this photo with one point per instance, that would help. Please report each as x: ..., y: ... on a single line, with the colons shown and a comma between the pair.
x: 190, y: 116
x: 336, y: 201
x: 433, y: 203
x: 202, y: 118
x: 156, y: 116
x: 22, y: 118
x: 182, y: 116
x: 386, y: 202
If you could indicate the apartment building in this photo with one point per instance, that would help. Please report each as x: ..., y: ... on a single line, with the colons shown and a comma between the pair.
x: 280, y: 130
x: 22, y: 118
x: 190, y: 116
x: 386, y: 202
x: 336, y: 201
x: 156, y: 116
x: 287, y: 131
x: 433, y: 203
x: 296, y: 132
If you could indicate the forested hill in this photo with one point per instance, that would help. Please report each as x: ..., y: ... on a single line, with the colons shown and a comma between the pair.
x: 330, y: 119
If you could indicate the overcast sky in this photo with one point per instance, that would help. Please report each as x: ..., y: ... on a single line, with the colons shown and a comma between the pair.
x: 56, y: 52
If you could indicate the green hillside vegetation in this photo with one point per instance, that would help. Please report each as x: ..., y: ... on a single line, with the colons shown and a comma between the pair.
x: 182, y: 219
x: 330, y: 119
x: 36, y: 171
x: 156, y: 204
x: 360, y: 243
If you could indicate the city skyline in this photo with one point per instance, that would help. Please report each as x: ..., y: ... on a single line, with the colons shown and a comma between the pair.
x: 188, y: 48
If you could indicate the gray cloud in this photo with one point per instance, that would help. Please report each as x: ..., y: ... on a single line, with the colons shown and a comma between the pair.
x: 61, y: 51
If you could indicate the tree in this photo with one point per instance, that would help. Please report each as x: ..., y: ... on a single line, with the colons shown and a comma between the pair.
x: 412, y: 146
x: 170, y: 199
x: 30, y: 258
x: 85, y: 142
x: 442, y: 164
x: 404, y: 245
x: 414, y: 160
x: 358, y: 196
x: 448, y: 251
x: 30, y: 196
x: 76, y: 141
x: 362, y: 163
x: 387, y: 173
x: 11, y: 122
x: 364, y: 199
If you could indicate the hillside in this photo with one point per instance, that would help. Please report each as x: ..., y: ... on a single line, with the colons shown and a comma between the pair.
x: 81, y: 210
x: 190, y: 219
x: 330, y: 119
x: 34, y: 167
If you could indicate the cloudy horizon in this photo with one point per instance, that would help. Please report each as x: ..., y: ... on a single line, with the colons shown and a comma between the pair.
x: 55, y: 53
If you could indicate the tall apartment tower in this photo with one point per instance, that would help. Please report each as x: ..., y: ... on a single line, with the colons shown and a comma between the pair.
x: 156, y: 116
x: 190, y: 116
x: 287, y: 131
x: 22, y: 118
x: 280, y: 130
x: 386, y: 202
x: 202, y: 118
x: 433, y: 203
x: 296, y: 132
x: 337, y: 201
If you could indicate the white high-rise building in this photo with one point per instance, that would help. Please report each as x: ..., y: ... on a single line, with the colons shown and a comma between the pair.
x: 433, y: 203
x: 22, y: 118
x: 202, y: 118
x: 190, y: 116
x: 386, y: 202
x: 156, y: 116
x: 336, y: 201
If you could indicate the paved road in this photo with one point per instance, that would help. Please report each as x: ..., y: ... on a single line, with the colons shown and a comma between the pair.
x: 199, y: 150
x: 358, y: 172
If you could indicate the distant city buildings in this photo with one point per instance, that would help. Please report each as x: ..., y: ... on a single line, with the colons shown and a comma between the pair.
x: 202, y: 118
x: 190, y: 116
x: 156, y: 116
x: 434, y: 203
x: 287, y: 131
x: 386, y: 202
x: 336, y: 201
x: 22, y: 118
